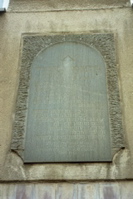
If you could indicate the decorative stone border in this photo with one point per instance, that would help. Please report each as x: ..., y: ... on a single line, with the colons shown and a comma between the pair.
x: 32, y: 45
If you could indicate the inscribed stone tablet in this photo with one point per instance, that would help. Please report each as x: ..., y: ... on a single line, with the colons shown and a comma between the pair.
x: 69, y: 116
x: 67, y: 108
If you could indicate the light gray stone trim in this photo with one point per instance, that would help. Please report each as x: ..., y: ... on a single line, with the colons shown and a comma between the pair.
x: 32, y: 45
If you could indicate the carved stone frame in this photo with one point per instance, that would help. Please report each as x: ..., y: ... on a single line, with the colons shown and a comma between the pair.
x: 32, y: 45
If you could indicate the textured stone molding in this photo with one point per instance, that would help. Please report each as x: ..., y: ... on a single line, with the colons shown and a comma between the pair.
x: 32, y: 45
x: 46, y: 5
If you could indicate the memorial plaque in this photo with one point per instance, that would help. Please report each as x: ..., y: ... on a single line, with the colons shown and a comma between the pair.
x: 66, y: 113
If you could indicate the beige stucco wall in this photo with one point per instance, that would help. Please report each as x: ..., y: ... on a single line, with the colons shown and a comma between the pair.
x: 115, y: 17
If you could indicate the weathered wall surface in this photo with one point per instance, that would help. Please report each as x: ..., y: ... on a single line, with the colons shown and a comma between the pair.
x: 117, y: 19
x: 103, y: 190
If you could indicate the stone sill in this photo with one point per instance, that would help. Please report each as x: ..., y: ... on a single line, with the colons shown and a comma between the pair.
x: 15, y: 170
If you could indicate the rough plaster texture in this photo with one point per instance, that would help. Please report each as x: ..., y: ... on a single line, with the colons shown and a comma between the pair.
x: 12, y: 26
x: 104, y: 190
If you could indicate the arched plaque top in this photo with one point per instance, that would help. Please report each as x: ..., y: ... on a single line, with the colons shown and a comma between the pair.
x: 70, y: 61
x: 59, y: 51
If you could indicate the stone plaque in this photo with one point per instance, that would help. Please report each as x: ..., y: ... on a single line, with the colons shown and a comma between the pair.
x: 68, y: 103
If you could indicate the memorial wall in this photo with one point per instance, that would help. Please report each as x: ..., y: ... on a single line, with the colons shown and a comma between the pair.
x: 66, y: 99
